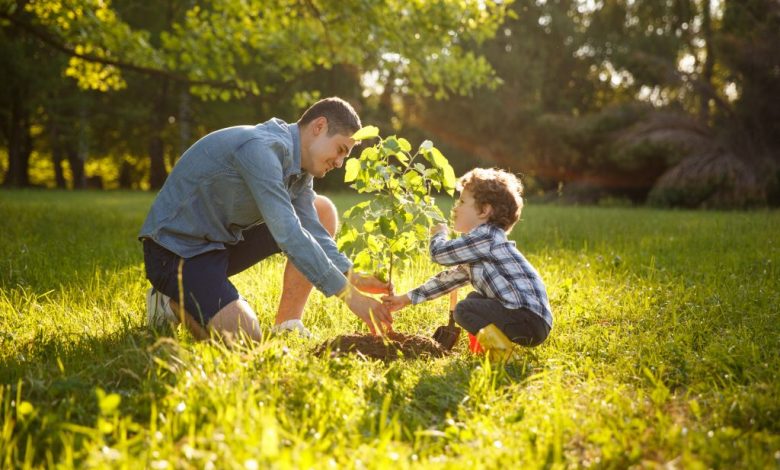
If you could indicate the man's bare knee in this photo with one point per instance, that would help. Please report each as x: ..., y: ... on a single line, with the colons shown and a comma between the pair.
x: 235, y: 319
x: 327, y: 213
x: 196, y: 329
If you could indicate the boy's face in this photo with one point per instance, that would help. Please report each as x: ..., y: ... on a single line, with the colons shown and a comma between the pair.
x: 323, y: 153
x: 466, y: 216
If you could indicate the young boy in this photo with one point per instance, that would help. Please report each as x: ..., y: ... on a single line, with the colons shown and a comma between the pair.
x: 510, y: 302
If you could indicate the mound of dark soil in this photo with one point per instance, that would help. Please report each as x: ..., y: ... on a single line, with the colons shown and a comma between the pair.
x: 393, y: 346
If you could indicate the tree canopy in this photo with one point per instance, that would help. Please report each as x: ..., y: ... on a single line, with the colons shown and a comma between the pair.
x: 602, y: 99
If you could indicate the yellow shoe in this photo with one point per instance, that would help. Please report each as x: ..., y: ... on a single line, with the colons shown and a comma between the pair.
x: 497, y: 346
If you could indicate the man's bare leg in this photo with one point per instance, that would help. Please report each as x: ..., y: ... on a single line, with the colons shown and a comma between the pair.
x: 295, y: 287
x: 232, y: 320
x: 238, y: 316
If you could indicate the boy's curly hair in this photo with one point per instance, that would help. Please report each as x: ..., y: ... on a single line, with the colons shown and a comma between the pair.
x: 499, y: 188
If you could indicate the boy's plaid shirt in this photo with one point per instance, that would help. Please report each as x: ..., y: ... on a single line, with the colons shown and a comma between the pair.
x: 494, y: 266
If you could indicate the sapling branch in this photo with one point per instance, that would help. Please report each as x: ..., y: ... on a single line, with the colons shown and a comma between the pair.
x: 393, y: 225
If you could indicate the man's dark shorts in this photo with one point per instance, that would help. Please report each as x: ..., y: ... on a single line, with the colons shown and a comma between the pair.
x: 204, y: 278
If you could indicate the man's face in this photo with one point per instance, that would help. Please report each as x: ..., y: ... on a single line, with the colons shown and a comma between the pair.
x: 328, y: 152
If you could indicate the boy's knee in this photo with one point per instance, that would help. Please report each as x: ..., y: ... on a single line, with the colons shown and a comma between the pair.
x: 327, y: 213
x: 459, y: 313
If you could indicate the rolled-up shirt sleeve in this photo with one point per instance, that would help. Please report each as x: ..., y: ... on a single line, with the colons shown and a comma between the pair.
x: 260, y: 166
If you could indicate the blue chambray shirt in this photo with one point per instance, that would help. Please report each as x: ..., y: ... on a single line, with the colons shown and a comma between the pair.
x: 239, y: 177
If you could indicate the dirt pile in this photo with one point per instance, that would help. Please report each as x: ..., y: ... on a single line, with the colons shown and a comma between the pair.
x: 393, y: 346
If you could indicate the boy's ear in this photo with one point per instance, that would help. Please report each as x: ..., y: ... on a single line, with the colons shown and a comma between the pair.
x: 487, y: 210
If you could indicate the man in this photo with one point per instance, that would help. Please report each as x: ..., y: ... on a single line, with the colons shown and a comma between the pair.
x: 239, y: 195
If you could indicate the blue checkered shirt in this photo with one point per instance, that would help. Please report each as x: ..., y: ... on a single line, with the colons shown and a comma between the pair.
x: 494, y: 267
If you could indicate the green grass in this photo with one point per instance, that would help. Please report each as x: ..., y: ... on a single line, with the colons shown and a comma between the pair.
x: 664, y: 351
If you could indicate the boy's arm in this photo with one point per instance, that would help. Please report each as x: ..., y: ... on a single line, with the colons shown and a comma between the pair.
x: 440, y: 284
x: 468, y: 248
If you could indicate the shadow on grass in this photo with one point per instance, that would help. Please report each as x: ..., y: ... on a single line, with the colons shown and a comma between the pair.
x: 62, y: 238
x: 465, y: 382
x: 58, y: 375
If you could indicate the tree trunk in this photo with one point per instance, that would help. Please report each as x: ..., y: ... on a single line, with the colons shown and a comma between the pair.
x: 19, y: 146
x: 77, y: 154
x: 157, y: 172
x: 59, y: 175
x: 125, y: 175
x: 76, y: 168
x: 55, y: 140
x: 709, y: 60
x: 185, y: 117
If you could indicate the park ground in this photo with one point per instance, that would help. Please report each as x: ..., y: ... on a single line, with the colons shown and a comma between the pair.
x: 664, y: 353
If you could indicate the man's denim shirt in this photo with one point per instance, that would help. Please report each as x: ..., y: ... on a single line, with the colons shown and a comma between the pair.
x: 239, y: 177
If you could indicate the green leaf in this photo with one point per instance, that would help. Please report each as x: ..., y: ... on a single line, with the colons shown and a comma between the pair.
x: 439, y: 160
x: 369, y: 153
x: 402, y: 157
x: 405, y: 145
x: 449, y: 179
x: 387, y: 227
x: 374, y: 244
x: 347, y: 235
x: 362, y: 261
x: 366, y: 132
x: 352, y: 169
x: 392, y: 145
x: 413, y: 179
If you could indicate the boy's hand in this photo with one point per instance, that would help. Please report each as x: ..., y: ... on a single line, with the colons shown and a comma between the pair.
x: 396, y: 302
x: 440, y: 228
x: 370, y: 284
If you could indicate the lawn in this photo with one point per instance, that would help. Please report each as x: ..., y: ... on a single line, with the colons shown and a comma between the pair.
x: 664, y: 351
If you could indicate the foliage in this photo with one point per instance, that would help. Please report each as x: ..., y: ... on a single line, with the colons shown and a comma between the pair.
x: 389, y: 229
x: 229, y: 49
x: 661, y: 355
x: 263, y: 58
x: 568, y: 67
x: 564, y: 61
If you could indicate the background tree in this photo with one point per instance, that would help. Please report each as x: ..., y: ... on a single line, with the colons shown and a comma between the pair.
x: 625, y: 99
x: 666, y: 101
x: 234, y: 49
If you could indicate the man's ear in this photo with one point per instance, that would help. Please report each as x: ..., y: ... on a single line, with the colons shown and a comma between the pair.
x: 319, y: 125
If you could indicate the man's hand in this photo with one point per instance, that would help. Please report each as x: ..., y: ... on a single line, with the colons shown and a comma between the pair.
x: 396, y: 302
x: 371, y: 311
x: 440, y: 228
x: 370, y: 284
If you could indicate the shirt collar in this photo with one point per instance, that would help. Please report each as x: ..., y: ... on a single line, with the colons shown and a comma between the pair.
x: 295, y: 131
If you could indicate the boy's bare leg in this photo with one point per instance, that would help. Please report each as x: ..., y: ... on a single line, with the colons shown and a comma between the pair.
x: 233, y: 319
x: 295, y: 287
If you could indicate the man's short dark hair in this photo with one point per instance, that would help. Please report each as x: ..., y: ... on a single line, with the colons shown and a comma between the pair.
x: 341, y: 116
